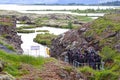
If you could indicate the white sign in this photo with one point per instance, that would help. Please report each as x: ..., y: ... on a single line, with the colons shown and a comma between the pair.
x: 35, y: 47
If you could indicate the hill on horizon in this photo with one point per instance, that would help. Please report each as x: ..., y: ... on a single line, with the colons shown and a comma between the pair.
x: 63, y: 2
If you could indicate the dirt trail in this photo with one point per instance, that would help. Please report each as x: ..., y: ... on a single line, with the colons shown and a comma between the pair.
x: 51, y: 71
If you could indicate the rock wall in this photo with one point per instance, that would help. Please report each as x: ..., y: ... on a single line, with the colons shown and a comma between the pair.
x: 9, y: 33
x: 89, y: 36
x: 72, y: 39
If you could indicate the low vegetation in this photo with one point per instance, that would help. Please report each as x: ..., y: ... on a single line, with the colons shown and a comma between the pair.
x: 6, y: 24
x: 8, y: 46
x: 94, y: 11
x: 42, y: 31
x: 25, y: 27
x: 106, y: 31
x: 84, y: 11
x: 62, y: 22
x: 14, y: 62
x: 111, y: 69
x: 26, y: 31
x: 44, y: 39
x: 106, y: 28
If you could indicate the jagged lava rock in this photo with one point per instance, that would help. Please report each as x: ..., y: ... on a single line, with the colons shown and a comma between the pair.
x: 8, y: 31
x: 104, y: 31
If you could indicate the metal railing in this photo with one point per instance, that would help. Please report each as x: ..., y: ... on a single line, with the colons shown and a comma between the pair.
x: 96, y: 64
x: 78, y: 64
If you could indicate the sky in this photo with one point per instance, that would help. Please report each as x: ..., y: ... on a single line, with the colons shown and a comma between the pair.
x: 55, y: 1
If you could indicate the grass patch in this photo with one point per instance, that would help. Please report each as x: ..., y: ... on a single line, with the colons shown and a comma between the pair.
x: 6, y: 24
x: 111, y: 67
x: 98, y: 75
x: 25, y: 27
x: 94, y: 11
x: 108, y: 53
x: 14, y: 62
x: 62, y: 22
x: 68, y: 69
x: 8, y: 46
x: 44, y: 39
x: 42, y: 31
x: 85, y: 18
x: 26, y: 31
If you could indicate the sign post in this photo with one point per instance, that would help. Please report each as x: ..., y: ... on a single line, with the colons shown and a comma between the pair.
x: 35, y: 48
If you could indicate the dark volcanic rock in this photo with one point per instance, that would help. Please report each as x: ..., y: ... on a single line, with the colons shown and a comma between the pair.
x: 25, y: 19
x: 86, y: 37
x: 70, y: 40
x: 9, y: 33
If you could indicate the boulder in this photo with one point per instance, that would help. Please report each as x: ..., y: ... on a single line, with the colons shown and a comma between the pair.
x: 6, y: 76
x: 2, y: 64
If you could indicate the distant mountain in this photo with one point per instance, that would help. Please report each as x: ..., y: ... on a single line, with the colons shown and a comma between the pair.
x: 63, y: 2
x: 113, y: 3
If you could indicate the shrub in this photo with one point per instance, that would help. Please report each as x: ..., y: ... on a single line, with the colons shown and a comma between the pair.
x: 70, y: 25
x: 108, y: 53
x: 98, y: 75
x: 107, y: 74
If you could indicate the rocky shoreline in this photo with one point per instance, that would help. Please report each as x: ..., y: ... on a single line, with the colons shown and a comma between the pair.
x: 52, y: 20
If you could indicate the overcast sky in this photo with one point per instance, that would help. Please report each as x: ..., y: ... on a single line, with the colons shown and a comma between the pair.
x: 55, y: 1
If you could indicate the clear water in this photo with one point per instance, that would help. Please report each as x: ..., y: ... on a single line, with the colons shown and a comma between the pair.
x: 28, y: 41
